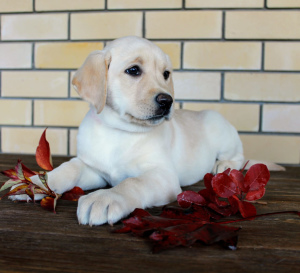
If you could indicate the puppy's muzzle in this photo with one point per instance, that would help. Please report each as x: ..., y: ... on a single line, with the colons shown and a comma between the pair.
x: 164, y: 102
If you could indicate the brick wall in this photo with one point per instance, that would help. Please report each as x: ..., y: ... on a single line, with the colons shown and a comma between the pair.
x: 239, y: 57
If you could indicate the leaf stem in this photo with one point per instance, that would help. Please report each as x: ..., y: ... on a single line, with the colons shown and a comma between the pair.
x: 260, y: 215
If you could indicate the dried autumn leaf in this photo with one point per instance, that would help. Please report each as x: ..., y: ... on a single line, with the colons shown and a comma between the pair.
x: 9, y: 184
x: 49, y: 203
x: 12, y: 174
x: 44, y: 179
x: 223, y: 185
x: 19, y: 171
x: 17, y: 190
x: 30, y: 191
x: 43, y: 155
x: 27, y: 172
x: 73, y: 195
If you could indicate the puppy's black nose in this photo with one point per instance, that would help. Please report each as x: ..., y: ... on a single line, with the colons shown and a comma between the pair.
x: 165, y: 101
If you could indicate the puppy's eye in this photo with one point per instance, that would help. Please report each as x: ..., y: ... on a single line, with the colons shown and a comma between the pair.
x: 134, y: 71
x: 166, y: 74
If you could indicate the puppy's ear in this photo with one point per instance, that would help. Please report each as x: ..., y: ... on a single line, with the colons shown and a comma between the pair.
x: 90, y: 79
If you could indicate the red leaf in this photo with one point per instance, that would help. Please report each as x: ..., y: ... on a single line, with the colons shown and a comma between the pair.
x: 143, y: 225
x: 227, y: 171
x: 43, y: 155
x: 238, y: 178
x: 49, y: 203
x: 27, y: 172
x: 11, y: 173
x: 187, y: 198
x: 73, y: 195
x: 207, y: 182
x: 244, y: 166
x: 255, y: 195
x: 17, y: 190
x: 256, y: 177
x: 30, y: 191
x: 188, y: 234
x: 233, y: 201
x: 206, y: 194
x: 140, y: 213
x: 195, y: 214
x: 224, y: 211
x: 246, y: 209
x: 223, y: 185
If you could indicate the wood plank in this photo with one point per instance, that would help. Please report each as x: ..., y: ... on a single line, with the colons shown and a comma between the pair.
x: 34, y: 240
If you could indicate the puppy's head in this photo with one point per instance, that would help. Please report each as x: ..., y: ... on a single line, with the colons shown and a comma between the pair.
x: 133, y: 77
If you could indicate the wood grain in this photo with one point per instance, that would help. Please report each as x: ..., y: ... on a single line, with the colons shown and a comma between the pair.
x: 35, y: 240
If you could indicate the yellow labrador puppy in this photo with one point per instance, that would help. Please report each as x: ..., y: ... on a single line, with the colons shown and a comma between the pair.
x: 132, y: 138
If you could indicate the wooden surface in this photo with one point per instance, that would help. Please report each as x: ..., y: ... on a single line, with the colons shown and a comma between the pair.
x: 35, y: 240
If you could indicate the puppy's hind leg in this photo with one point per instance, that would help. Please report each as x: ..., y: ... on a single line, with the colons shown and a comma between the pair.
x: 235, y: 162
x: 231, y: 155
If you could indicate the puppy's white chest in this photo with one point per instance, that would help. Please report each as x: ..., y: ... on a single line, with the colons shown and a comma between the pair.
x: 115, y: 154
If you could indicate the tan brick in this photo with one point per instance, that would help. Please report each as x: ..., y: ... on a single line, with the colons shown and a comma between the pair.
x: 283, y: 3
x: 281, y: 118
x: 173, y: 50
x: 25, y: 140
x: 262, y: 25
x: 15, y: 112
x: 44, y: 5
x: 282, y: 56
x: 137, y: 4
x: 224, y: 4
x: 280, y: 149
x: 34, y: 27
x: 222, y: 55
x: 184, y: 24
x: 73, y: 142
x: 15, y: 5
x: 262, y: 87
x: 197, y: 85
x: 34, y: 84
x: 15, y: 55
x: 105, y: 25
x: 73, y: 92
x: 244, y: 117
x: 59, y: 112
x: 63, y: 55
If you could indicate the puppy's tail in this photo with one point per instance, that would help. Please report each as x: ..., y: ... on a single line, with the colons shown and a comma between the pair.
x: 270, y: 165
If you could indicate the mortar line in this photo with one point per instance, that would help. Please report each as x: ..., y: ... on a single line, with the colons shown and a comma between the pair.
x: 223, y: 25
x: 68, y: 141
x: 144, y: 25
x: 69, y: 26
x: 263, y: 56
x: 260, y: 118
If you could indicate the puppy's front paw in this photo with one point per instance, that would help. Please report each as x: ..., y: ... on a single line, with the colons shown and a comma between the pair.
x: 103, y: 206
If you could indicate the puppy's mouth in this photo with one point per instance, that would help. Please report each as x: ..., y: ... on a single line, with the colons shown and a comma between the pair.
x: 152, y: 120
x: 159, y: 117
